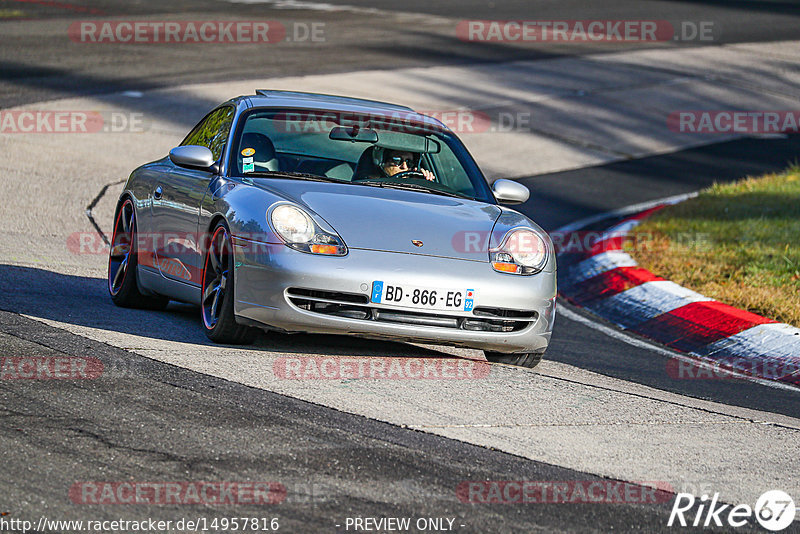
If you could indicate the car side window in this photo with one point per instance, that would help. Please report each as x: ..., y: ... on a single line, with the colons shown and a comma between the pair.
x: 212, y: 131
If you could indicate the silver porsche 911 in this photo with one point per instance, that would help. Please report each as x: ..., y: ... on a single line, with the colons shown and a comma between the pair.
x: 301, y: 212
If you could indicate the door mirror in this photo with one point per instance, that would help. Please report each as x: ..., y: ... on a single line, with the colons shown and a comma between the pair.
x: 194, y: 156
x: 510, y: 192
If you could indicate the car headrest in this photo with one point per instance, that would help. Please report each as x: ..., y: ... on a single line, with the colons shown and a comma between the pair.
x: 366, y: 168
x: 264, y: 158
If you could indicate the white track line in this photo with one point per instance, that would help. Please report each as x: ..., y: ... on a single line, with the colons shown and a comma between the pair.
x: 621, y: 212
x: 639, y: 343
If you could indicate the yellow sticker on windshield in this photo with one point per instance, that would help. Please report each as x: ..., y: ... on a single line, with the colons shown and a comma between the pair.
x: 248, y: 152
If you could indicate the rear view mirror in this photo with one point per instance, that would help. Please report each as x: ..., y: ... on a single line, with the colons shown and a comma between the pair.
x: 510, y: 192
x: 355, y: 135
x: 194, y: 156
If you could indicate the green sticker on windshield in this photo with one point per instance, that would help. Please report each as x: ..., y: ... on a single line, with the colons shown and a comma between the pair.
x: 248, y: 167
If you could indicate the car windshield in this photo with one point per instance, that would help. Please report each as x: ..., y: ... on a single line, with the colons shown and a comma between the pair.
x: 360, y: 149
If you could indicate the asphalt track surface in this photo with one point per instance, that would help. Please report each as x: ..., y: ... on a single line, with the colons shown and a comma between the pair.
x: 153, y: 421
x: 38, y: 63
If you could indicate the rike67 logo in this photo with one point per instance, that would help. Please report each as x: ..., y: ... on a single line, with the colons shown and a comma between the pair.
x: 774, y: 511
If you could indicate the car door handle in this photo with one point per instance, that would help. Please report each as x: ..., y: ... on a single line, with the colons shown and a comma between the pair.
x: 157, y: 193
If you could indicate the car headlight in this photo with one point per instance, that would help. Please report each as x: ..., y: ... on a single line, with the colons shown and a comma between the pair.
x: 299, y: 231
x: 522, y: 251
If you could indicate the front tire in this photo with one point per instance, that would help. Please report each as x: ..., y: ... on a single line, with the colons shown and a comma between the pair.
x: 123, y: 260
x: 525, y: 359
x: 217, y: 299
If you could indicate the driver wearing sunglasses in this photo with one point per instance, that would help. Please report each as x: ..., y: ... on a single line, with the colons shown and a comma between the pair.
x: 400, y: 161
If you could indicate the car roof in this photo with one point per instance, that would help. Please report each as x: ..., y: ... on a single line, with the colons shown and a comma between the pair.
x: 321, y: 98
x: 298, y: 99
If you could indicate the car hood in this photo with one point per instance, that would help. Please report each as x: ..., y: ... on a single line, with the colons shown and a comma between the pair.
x: 391, y: 220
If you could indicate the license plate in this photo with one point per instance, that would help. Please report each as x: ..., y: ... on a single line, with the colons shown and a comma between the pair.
x: 429, y: 298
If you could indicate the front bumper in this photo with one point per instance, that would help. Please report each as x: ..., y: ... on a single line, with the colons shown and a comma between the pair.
x: 265, y: 276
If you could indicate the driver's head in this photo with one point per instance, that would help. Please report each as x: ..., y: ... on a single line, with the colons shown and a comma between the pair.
x: 395, y: 161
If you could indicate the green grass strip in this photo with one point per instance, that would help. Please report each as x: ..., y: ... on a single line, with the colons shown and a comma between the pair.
x: 738, y: 243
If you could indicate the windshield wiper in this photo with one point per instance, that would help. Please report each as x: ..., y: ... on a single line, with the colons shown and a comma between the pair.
x: 413, y: 187
x: 371, y: 183
x: 293, y: 175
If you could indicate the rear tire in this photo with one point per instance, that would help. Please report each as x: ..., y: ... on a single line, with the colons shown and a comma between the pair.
x: 525, y: 359
x: 216, y: 306
x: 122, y: 264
